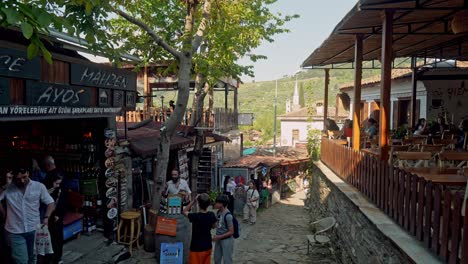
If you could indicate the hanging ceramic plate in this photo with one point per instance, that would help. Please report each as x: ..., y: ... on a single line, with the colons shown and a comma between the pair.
x: 110, y: 143
x: 112, y: 213
x: 109, y: 173
x: 109, y: 153
x: 109, y: 163
x: 109, y: 133
x: 111, y: 203
x: 111, y: 192
x: 111, y: 182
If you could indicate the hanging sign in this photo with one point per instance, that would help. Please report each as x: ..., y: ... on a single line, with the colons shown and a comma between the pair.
x: 14, y: 63
x: 38, y: 93
x: 101, y: 77
x: 172, y: 253
x: 166, y: 226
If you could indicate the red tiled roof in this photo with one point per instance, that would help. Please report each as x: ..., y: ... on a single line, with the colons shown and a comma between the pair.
x: 396, y: 74
x: 305, y: 113
x: 253, y: 162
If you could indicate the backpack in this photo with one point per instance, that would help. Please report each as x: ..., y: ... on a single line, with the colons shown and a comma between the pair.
x: 235, y: 223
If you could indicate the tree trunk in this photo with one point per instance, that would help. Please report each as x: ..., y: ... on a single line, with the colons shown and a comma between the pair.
x: 169, y: 127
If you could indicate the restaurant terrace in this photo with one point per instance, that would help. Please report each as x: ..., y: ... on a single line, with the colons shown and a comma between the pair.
x: 418, y: 181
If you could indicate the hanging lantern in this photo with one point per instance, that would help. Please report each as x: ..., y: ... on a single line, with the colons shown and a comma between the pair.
x: 460, y: 22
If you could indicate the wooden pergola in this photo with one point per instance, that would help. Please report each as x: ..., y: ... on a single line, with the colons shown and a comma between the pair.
x: 380, y: 31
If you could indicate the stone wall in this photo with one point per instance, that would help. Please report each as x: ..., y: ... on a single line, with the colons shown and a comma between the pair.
x: 355, y: 239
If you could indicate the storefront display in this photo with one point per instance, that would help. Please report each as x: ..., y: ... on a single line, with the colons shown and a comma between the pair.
x: 62, y: 110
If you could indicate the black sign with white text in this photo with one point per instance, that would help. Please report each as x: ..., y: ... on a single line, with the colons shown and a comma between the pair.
x: 101, y: 77
x: 4, y: 91
x: 21, y: 110
x: 14, y: 63
x: 58, y: 95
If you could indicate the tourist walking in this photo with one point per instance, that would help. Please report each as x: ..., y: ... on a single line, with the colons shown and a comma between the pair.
x: 202, y: 223
x: 23, y: 199
x: 224, y: 246
x: 250, y: 207
x: 54, y: 188
x: 229, y: 190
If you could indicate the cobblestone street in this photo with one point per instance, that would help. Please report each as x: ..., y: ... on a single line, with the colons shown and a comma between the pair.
x: 278, y: 237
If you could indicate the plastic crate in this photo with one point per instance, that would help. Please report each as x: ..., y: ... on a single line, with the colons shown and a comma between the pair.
x: 72, y: 229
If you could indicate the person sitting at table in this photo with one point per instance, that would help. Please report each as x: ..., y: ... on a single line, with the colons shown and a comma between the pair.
x: 371, y: 129
x: 460, y: 133
x: 439, y: 127
x: 421, y: 127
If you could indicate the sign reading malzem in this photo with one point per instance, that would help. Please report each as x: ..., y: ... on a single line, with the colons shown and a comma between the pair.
x: 103, y: 77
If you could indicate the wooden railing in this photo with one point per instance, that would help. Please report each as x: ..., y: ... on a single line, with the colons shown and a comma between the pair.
x: 427, y: 211
x: 221, y: 120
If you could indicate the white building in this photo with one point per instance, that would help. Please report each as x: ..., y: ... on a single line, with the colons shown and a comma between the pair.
x: 434, y: 97
x: 295, y: 125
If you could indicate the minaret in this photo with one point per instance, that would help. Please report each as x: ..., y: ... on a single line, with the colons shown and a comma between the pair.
x: 295, y: 103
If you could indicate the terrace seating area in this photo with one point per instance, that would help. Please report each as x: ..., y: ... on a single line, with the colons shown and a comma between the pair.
x: 423, y: 192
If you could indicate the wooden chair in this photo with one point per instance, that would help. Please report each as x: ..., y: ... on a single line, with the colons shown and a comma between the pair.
x: 434, y: 149
x: 397, y: 148
x: 448, y: 135
x: 449, y: 143
x: 420, y: 158
x: 453, y: 157
x: 416, y: 142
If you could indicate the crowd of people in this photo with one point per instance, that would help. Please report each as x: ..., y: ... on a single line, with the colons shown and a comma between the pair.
x: 27, y: 205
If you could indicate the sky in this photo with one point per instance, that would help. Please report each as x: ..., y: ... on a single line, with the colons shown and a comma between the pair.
x: 289, y: 50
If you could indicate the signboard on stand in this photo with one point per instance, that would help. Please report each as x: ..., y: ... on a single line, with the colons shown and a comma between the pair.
x: 172, y: 253
x: 166, y: 226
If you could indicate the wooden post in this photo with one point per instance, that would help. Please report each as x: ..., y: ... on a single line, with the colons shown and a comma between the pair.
x: 357, y: 93
x: 325, y: 100
x: 386, y: 83
x: 147, y: 91
x: 236, y: 99
x: 414, y: 81
x: 226, y: 91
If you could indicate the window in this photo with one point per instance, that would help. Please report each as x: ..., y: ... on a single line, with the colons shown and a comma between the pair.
x: 295, y: 134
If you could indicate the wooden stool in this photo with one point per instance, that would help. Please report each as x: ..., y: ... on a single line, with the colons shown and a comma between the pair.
x: 128, y: 218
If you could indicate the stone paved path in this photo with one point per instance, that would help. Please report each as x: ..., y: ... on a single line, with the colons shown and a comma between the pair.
x: 279, y: 236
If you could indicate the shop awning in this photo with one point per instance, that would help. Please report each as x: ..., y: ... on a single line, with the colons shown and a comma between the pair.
x: 252, y: 162
x: 144, y: 141
x: 421, y: 29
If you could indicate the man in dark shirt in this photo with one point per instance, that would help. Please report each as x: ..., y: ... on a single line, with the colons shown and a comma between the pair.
x: 202, y: 223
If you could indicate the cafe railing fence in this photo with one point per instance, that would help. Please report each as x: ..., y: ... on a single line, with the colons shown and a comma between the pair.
x: 431, y: 214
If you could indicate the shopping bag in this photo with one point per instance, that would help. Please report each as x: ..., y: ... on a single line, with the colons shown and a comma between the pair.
x: 42, y: 241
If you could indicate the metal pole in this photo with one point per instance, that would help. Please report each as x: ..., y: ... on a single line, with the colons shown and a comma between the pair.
x: 276, y: 103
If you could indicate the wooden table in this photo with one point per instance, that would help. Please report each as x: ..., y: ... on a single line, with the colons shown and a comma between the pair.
x: 373, y: 152
x: 442, y: 176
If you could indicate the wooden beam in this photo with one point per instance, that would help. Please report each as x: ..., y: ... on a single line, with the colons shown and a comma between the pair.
x: 325, y: 100
x: 357, y: 92
x: 386, y: 83
x: 147, y: 90
x: 414, y: 80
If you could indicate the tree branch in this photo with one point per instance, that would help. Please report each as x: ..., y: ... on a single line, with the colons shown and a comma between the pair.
x: 151, y: 32
x: 197, y: 40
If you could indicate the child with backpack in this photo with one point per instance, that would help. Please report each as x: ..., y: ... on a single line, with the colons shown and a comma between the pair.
x: 202, y: 223
x: 227, y: 230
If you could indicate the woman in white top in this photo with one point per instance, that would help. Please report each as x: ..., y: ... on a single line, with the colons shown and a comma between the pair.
x: 250, y: 208
x: 229, y: 189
